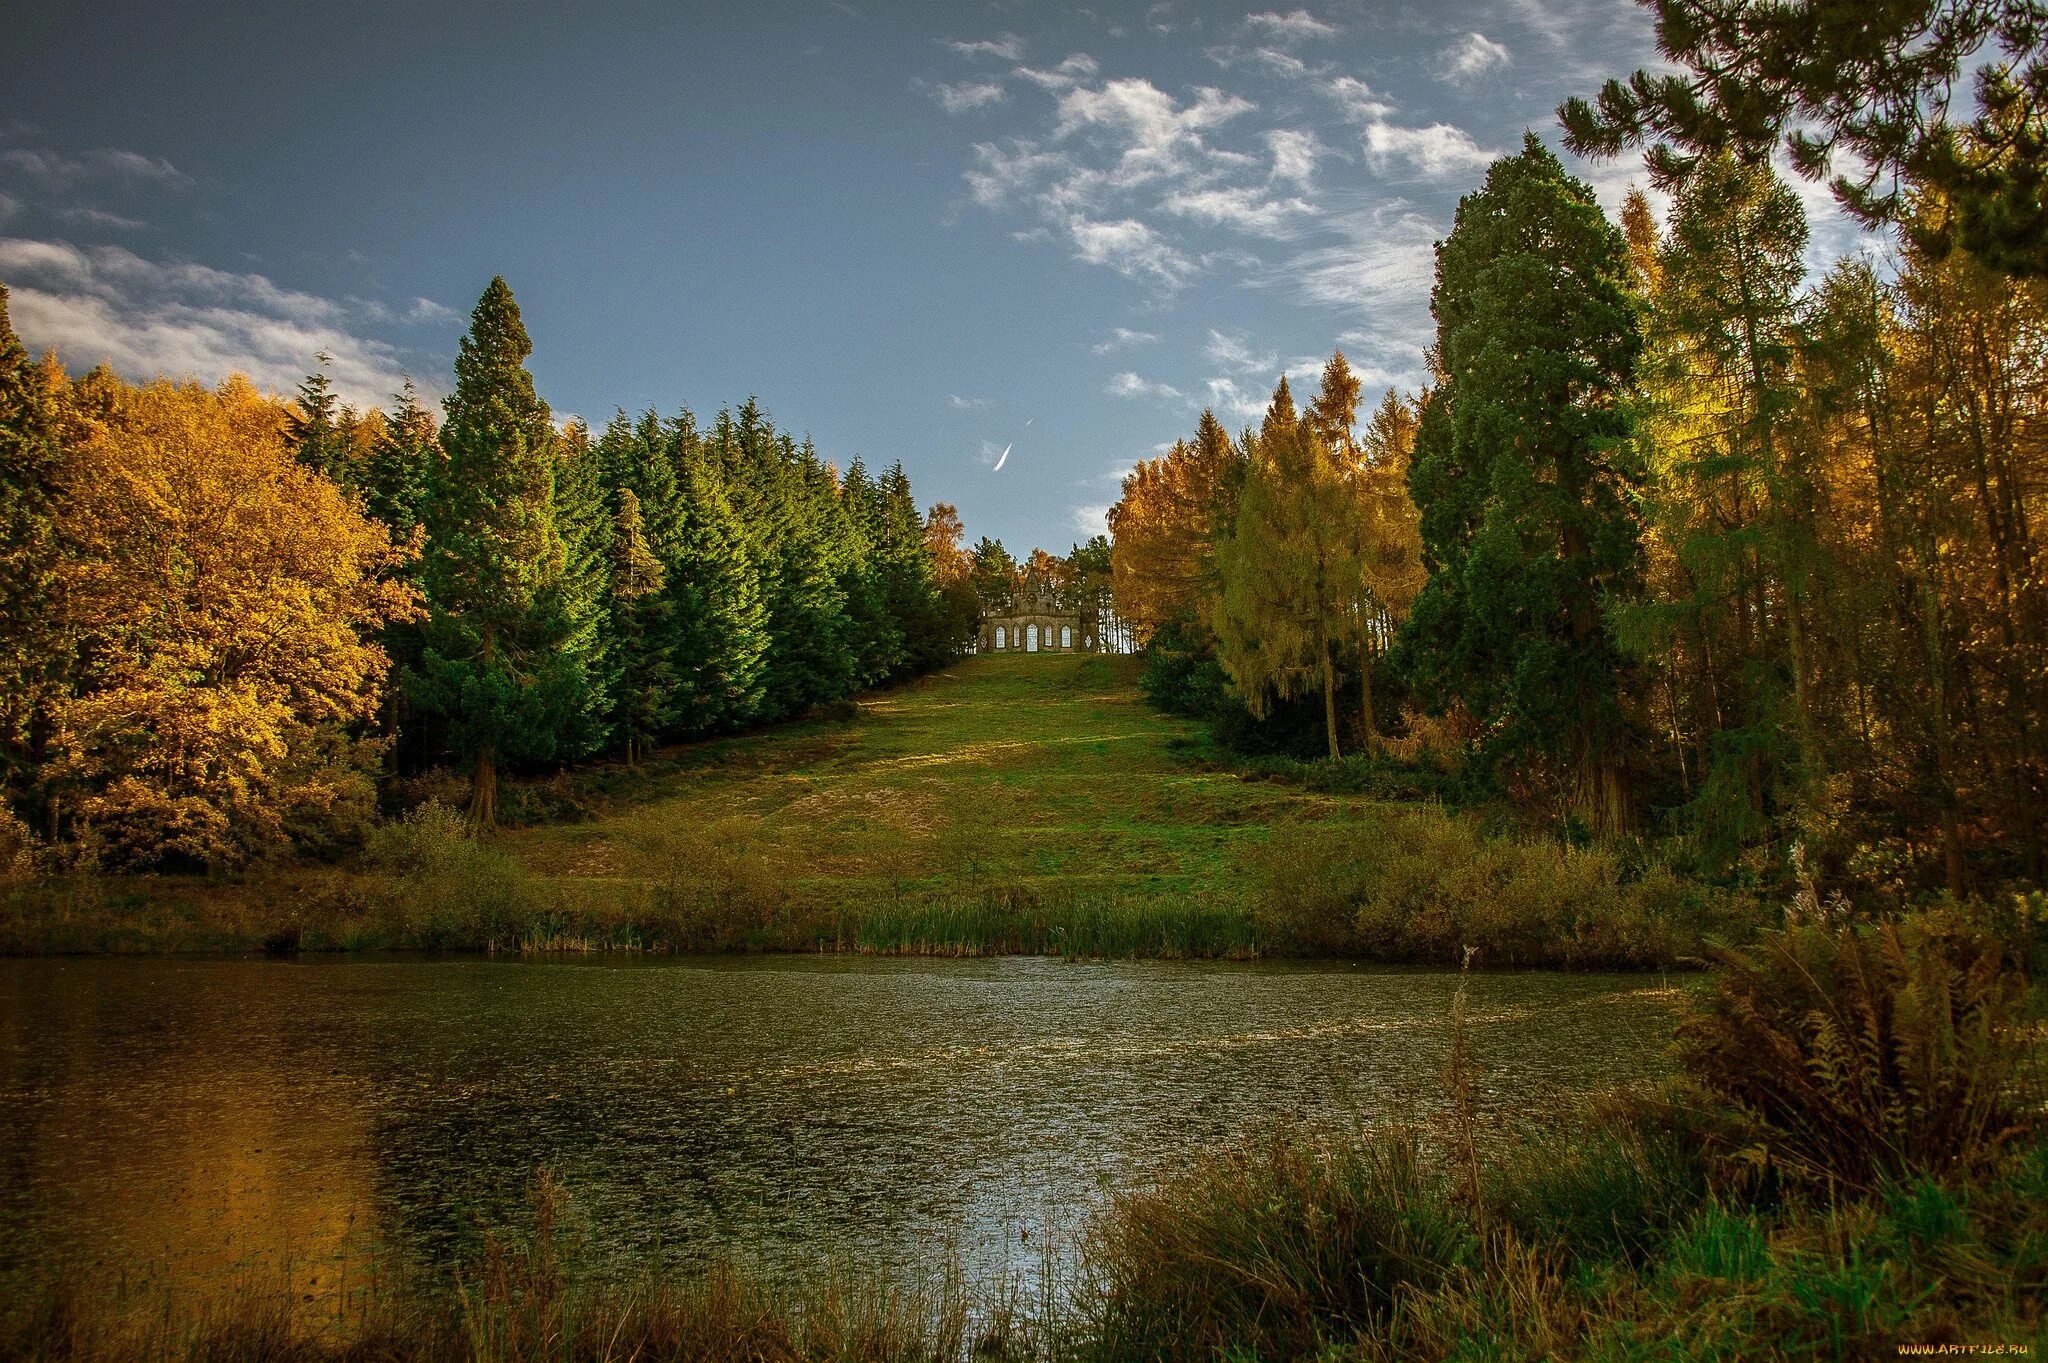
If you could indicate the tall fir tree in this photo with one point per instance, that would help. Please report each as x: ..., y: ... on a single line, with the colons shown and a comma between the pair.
x: 1523, y: 478
x: 315, y: 425
x: 573, y: 610
x: 721, y: 629
x: 493, y: 548
x: 31, y: 654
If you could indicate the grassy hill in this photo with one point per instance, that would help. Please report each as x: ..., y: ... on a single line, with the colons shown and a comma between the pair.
x: 1012, y: 804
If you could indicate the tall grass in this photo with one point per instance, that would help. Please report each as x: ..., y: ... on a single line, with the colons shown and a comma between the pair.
x: 1418, y: 884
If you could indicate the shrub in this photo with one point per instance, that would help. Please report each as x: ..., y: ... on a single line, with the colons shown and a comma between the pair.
x: 1869, y: 1051
x: 1422, y: 885
x: 1274, y: 1248
x: 448, y: 890
x: 715, y: 888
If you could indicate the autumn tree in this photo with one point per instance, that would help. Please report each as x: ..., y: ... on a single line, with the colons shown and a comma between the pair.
x: 225, y: 599
x: 1165, y: 525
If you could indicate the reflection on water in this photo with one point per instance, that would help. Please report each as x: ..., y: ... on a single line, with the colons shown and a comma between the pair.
x: 209, y: 1116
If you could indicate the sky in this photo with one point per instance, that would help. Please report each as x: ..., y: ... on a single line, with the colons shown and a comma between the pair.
x: 921, y: 232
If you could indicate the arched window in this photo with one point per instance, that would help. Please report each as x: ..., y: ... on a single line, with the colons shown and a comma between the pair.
x: 999, y: 636
x: 1031, y: 638
x: 1066, y: 636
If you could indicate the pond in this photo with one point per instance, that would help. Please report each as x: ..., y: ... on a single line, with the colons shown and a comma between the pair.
x: 206, y: 1119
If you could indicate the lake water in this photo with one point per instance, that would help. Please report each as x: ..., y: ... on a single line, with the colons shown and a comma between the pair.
x: 207, y: 1118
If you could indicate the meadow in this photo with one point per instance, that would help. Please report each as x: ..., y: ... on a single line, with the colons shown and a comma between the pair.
x: 1006, y: 804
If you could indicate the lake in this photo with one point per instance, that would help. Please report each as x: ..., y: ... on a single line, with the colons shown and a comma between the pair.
x: 210, y: 1118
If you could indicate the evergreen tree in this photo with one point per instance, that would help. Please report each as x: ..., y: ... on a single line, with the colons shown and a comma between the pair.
x: 721, y: 628
x: 31, y: 659
x: 1728, y: 497
x: 315, y: 436
x: 643, y: 677
x: 1522, y: 478
x: 877, y: 638
x: 400, y: 469
x: 493, y: 548
x: 572, y: 612
x: 908, y: 588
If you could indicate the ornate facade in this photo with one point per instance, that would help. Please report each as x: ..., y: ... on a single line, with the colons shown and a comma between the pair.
x: 1035, y: 623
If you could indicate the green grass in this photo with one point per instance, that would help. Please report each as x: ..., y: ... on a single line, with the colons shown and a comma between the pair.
x: 1007, y: 804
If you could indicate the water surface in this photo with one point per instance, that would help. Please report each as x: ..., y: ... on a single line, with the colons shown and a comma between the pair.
x: 208, y: 1118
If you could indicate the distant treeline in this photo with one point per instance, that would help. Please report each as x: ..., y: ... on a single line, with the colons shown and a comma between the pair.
x: 1673, y: 542
x: 223, y: 617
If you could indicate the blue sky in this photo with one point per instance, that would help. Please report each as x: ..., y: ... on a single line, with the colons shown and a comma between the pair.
x: 923, y: 232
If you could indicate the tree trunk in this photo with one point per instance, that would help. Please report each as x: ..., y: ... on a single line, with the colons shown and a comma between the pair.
x: 1330, y: 698
x: 1365, y: 714
x: 483, y: 785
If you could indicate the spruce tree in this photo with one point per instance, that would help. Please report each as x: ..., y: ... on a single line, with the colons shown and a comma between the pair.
x: 572, y: 612
x: 1523, y: 475
x: 492, y: 549
x: 30, y: 665
x: 643, y: 676
x: 721, y: 627
x: 401, y: 466
x: 315, y: 434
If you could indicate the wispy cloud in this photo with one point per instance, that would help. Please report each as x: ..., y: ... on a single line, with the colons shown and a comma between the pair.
x: 1438, y: 151
x: 1009, y: 47
x: 960, y: 404
x: 1294, y: 26
x: 1131, y: 249
x: 1247, y: 210
x: 1130, y: 385
x: 1092, y: 520
x: 1295, y: 152
x: 967, y: 94
x: 104, y: 164
x: 1122, y: 338
x: 1471, y: 57
x: 1230, y: 351
x: 149, y: 317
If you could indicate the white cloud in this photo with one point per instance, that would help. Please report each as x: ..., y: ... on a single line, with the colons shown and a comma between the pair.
x: 1247, y: 210
x: 107, y: 163
x: 100, y: 217
x: 1471, y: 57
x: 1129, y: 385
x: 1294, y: 26
x: 1009, y: 47
x: 1091, y: 520
x: 965, y: 95
x: 1231, y: 399
x: 1065, y: 76
x: 1231, y: 352
x: 960, y: 404
x: 1270, y: 59
x: 1295, y: 151
x: 1131, y: 249
x: 148, y: 318
x: 1439, y: 151
x: 1154, y: 137
x: 1122, y: 338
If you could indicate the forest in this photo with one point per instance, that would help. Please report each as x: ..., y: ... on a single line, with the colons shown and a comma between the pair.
x: 234, y: 623
x: 1677, y: 544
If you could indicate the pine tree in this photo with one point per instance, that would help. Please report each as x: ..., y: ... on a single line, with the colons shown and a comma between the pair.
x: 1522, y: 478
x: 492, y: 549
x: 30, y: 651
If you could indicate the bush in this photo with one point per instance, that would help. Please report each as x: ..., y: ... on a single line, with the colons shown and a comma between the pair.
x: 448, y: 890
x: 1869, y: 1051
x: 1421, y: 885
x: 1271, y: 1249
x: 715, y: 888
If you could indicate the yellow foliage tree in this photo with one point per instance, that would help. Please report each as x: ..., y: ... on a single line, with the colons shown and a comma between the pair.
x: 1162, y: 561
x: 221, y: 599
